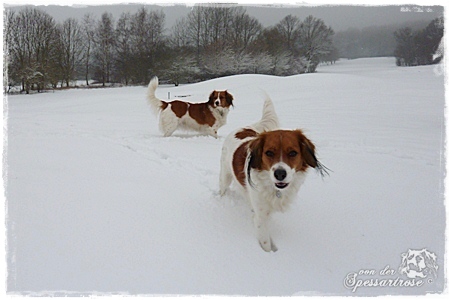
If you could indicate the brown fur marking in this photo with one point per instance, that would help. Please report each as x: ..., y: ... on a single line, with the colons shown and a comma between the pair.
x: 179, y: 108
x: 202, y: 114
x: 245, y: 133
x: 239, y: 157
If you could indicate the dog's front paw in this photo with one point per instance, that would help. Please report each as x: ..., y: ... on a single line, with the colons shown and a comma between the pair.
x: 274, y: 247
x: 268, y: 245
x: 213, y: 133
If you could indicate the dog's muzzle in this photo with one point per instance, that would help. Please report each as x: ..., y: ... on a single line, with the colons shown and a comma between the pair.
x: 280, y: 174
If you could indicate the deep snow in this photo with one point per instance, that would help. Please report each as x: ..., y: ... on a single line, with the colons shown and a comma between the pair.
x: 99, y: 202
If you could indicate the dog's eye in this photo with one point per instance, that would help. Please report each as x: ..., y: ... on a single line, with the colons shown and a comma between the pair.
x: 293, y: 154
x: 270, y: 153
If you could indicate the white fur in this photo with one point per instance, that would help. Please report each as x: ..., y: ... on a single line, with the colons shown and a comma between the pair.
x: 264, y: 202
x: 263, y: 194
x: 152, y: 100
x: 269, y: 120
x: 169, y: 122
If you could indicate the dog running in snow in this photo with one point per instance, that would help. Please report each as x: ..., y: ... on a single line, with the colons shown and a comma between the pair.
x: 205, y: 118
x: 268, y: 165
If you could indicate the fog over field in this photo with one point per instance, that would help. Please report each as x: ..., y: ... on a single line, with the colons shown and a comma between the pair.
x: 340, y: 17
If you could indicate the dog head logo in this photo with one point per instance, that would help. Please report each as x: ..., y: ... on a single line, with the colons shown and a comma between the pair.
x: 418, y: 264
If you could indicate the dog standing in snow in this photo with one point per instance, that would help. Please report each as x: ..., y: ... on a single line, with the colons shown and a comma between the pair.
x: 205, y: 117
x: 268, y: 165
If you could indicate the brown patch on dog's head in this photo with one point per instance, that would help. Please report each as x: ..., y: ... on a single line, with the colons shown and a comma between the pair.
x: 221, y: 98
x: 308, y: 151
x: 289, y: 146
x: 256, y: 148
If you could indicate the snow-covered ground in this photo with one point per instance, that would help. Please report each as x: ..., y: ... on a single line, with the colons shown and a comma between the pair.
x: 99, y: 202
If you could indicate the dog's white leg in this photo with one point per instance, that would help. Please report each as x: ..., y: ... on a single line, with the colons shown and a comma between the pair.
x: 261, y: 220
x: 212, y: 131
x: 225, y: 177
x: 274, y: 247
x: 225, y: 181
x: 168, y: 122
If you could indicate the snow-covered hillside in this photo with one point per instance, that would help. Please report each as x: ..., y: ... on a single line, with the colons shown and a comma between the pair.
x: 99, y: 202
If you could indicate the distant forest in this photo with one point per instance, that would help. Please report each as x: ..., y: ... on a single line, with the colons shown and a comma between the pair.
x: 211, y: 41
x: 380, y: 41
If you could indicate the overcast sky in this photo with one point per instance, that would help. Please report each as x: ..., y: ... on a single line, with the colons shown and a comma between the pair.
x: 338, y: 16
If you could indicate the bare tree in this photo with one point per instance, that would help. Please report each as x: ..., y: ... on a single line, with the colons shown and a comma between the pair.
x: 218, y: 63
x: 209, y: 26
x: 315, y: 41
x: 9, y: 17
x: 147, y: 38
x: 288, y: 28
x: 243, y: 30
x: 104, y: 39
x: 220, y: 37
x: 219, y: 33
x: 270, y: 42
x: 183, y: 65
x: 196, y: 29
x: 418, y: 47
x: 88, y: 28
x: 405, y: 51
x: 427, y: 41
x: 123, y: 48
x: 183, y: 68
x: 32, y: 47
x: 262, y: 63
x: 179, y: 37
x: 71, y: 43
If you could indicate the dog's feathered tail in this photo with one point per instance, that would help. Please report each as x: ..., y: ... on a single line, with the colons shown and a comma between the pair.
x: 155, y: 103
x: 269, y: 120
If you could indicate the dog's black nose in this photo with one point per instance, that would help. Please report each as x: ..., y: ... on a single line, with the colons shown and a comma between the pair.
x: 280, y: 174
x: 217, y: 103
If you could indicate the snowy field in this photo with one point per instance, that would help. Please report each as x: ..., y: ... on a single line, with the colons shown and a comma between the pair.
x: 98, y: 202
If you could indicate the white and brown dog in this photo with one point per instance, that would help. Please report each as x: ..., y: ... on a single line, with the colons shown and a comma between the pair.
x: 205, y: 117
x: 268, y: 165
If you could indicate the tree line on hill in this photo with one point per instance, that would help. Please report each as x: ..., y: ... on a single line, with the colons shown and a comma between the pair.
x: 211, y: 41
x: 412, y: 45
x: 415, y: 48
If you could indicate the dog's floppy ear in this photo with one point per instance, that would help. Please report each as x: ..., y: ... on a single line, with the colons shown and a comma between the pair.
x: 307, y: 148
x: 256, y: 148
x: 229, y: 98
x: 255, y: 156
x: 212, y: 96
x: 309, y: 154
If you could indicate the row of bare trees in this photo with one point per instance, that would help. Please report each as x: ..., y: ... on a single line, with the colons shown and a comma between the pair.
x: 214, y: 41
x: 419, y: 47
x: 40, y: 52
x: 210, y: 41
